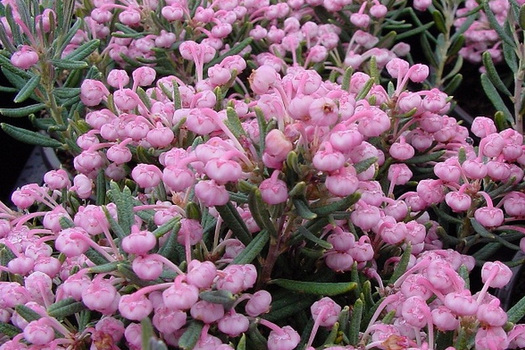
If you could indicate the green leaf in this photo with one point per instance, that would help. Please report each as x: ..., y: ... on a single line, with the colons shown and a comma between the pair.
x: 509, y: 54
x: 69, y: 64
x: 402, y: 265
x: 342, y: 204
x: 260, y: 212
x: 287, y: 306
x: 9, y: 330
x: 453, y: 84
x: 124, y: 201
x: 364, y: 164
x: 27, y: 90
x: 95, y: 257
x: 233, y: 220
x: 64, y: 308
x: 233, y: 51
x: 302, y: 209
x: 190, y: 337
x: 241, y: 345
x: 30, y: 137
x: 165, y: 228
x: 253, y: 249
x: 146, y: 333
x: 83, y: 51
x: 345, y: 85
x: 104, y: 268
x: 22, y: 111
x: 170, y: 245
x: 316, y: 288
x: 355, y: 322
x: 222, y: 297
x: 494, y: 97
x: 521, y: 19
x: 417, y: 30
x: 439, y: 21
x: 495, y: 24
x: 313, y: 238
x: 493, y: 74
x: 517, y: 312
x: 233, y: 123
x: 456, y: 46
x: 365, y: 90
x: 27, y: 313
x: 428, y: 51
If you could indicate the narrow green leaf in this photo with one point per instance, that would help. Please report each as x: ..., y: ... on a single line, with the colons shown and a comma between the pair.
x: 234, y: 123
x: 517, y: 312
x: 494, y: 97
x: 83, y: 51
x: 165, y: 228
x: 241, y: 345
x: 509, y: 54
x: 27, y: 313
x: 493, y: 75
x: 316, y: 288
x: 313, y: 238
x: 466, y: 24
x: 222, y: 297
x: 260, y: 212
x: 495, y: 24
x: 27, y: 90
x: 428, y: 51
x: 233, y: 220
x: 104, y: 268
x: 64, y: 308
x: 124, y: 201
x: 417, y: 30
x: 146, y: 333
x: 30, y: 137
x: 387, y: 40
x: 355, y: 322
x: 453, y: 84
x: 365, y: 90
x: 364, y: 164
x: 288, y: 306
x: 69, y: 64
x: 171, y: 245
x: 342, y: 204
x: 233, y: 51
x: 439, y: 21
x: 101, y: 188
x: 456, y: 46
x: 190, y: 337
x: 9, y: 330
x: 115, y: 227
x: 345, y: 85
x: 252, y: 250
x: 486, y: 251
x: 302, y: 209
x: 521, y: 19
x: 95, y: 257
x: 402, y: 265
x: 22, y: 111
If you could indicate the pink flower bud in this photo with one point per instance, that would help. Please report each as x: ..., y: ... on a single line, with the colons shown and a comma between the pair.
x: 135, y: 307
x: 258, y: 304
x: 273, y: 190
x: 327, y: 310
x: 143, y: 76
x: 99, y: 295
x: 461, y: 303
x: 223, y: 170
x: 190, y: 230
x: 342, y: 182
x: 39, y: 332
x: 233, y: 324
x: 285, y: 339
x: 339, y: 261
x: 177, y: 179
x: 495, y: 274
x: 489, y: 216
x: 201, y: 274
x: 25, y: 57
x: 167, y: 320
x: 492, y: 314
x: 139, y: 242
x: 458, y: 202
x: 57, y: 179
x: 415, y: 311
x: 83, y: 186
x: 69, y: 243
x: 207, y: 312
x: 147, y: 267
x: 444, y: 319
x: 92, y: 92
x: 146, y: 175
x: 211, y: 194
x: 181, y: 296
x: 264, y: 78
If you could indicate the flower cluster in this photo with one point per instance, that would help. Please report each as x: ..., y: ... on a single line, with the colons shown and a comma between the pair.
x: 246, y: 174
